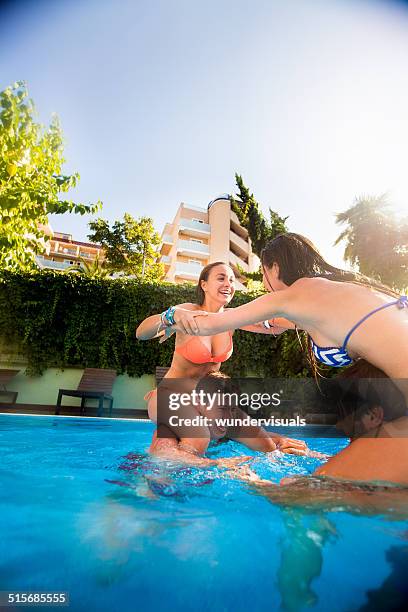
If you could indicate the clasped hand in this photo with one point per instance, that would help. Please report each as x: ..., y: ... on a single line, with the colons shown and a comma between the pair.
x: 185, y: 323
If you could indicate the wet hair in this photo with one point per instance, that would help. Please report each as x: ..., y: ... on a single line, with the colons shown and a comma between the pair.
x: 297, y: 257
x: 217, y: 381
x: 205, y: 273
x: 362, y: 387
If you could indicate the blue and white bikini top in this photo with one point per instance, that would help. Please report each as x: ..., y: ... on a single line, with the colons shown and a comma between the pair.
x: 339, y: 357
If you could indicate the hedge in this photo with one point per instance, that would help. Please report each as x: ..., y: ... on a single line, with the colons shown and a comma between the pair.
x: 61, y: 320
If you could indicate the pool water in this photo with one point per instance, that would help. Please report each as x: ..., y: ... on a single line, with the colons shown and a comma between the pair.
x: 84, y: 510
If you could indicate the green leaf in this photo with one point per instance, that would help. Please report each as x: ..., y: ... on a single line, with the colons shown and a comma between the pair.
x: 34, y: 160
x: 11, y: 169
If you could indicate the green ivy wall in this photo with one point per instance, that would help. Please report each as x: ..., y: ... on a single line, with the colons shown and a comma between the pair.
x: 64, y: 322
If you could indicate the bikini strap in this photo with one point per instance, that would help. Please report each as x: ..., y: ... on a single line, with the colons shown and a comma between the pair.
x: 402, y: 302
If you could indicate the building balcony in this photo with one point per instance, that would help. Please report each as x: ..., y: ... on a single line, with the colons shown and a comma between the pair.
x: 75, y: 256
x: 52, y: 265
x: 188, y: 271
x: 57, y: 235
x: 189, y: 247
x: 191, y: 207
x: 234, y: 217
x: 237, y: 228
x: 240, y: 245
x: 237, y: 261
x: 167, y: 243
x: 195, y: 228
x: 69, y: 252
x: 165, y: 259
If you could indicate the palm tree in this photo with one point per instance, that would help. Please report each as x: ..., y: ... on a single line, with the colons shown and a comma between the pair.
x: 90, y: 269
x: 376, y: 241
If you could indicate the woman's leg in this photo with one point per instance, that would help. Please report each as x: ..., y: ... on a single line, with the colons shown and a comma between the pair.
x: 151, y: 399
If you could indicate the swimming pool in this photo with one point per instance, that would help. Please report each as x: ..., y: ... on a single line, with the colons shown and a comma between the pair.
x: 83, y: 510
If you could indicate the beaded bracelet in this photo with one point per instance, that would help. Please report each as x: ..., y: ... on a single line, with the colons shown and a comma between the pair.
x: 167, y: 317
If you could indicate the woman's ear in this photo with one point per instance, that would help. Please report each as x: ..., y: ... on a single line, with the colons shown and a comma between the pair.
x: 373, y: 418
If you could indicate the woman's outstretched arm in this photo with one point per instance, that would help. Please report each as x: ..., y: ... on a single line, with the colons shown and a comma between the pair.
x: 149, y: 328
x: 265, y: 307
x: 277, y: 326
x: 152, y: 326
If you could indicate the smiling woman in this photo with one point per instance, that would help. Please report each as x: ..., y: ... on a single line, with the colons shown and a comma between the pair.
x: 347, y: 316
x: 196, y: 358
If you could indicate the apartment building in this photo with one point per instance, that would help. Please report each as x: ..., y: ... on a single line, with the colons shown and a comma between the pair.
x: 63, y: 252
x: 199, y: 236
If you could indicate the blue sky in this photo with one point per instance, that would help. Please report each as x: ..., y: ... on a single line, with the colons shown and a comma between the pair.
x: 163, y: 101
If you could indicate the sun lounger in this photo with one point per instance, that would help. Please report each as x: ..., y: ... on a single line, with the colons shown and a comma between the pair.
x: 95, y: 384
x: 5, y: 377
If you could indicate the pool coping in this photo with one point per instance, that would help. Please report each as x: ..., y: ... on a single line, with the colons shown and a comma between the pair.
x: 67, y: 410
x: 73, y: 416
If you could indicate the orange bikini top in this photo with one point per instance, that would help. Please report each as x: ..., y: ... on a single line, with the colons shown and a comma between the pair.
x: 195, y: 351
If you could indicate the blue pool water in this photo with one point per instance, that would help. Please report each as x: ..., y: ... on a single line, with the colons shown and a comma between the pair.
x: 84, y: 510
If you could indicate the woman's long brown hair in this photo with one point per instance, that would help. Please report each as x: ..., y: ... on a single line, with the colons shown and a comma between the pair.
x: 297, y: 257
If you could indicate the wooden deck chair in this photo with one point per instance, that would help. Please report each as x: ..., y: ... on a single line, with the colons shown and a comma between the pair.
x: 5, y: 377
x: 95, y: 384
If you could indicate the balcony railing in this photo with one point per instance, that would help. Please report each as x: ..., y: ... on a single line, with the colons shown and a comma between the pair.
x: 189, y: 224
x: 167, y: 239
x: 237, y: 261
x: 166, y: 259
x: 66, y: 251
x: 188, y: 270
x: 190, y: 246
x: 53, y: 265
x: 239, y: 243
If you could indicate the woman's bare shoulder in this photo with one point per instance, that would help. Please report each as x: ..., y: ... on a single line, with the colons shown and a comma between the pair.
x: 315, y: 283
x: 343, y: 460
x: 359, y: 460
x: 189, y: 306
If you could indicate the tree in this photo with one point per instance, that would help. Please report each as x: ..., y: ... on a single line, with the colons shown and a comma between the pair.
x: 90, y: 269
x: 130, y: 246
x: 376, y: 241
x: 31, y: 159
x: 250, y: 216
